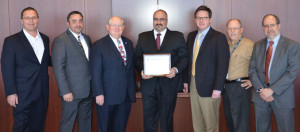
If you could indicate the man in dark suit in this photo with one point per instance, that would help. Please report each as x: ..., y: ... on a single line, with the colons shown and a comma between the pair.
x: 206, y: 74
x: 113, y: 77
x: 273, y: 69
x: 160, y: 93
x: 70, y: 57
x: 24, y: 61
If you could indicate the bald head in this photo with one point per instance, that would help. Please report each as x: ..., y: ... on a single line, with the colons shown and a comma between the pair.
x: 115, y: 27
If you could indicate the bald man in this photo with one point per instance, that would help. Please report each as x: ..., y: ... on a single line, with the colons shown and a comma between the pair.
x: 113, y: 77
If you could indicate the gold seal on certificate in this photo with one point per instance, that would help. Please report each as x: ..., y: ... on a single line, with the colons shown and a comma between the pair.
x: 157, y: 64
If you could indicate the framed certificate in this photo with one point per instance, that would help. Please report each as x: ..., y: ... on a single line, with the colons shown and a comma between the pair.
x: 157, y: 64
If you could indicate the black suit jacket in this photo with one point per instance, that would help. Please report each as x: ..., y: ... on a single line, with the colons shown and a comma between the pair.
x: 21, y: 71
x: 173, y: 43
x: 110, y: 77
x: 211, y: 64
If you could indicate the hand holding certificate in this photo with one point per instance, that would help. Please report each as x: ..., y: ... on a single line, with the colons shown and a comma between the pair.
x: 157, y: 64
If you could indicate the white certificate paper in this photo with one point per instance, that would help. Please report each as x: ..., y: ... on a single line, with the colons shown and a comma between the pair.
x: 157, y: 64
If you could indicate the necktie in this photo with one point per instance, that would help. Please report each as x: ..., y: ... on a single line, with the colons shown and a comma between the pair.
x: 122, y: 51
x: 196, y: 51
x: 158, y: 41
x: 268, y: 59
x: 79, y: 41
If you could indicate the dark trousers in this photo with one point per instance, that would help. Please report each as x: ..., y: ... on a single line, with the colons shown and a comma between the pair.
x: 30, y: 116
x: 237, y: 107
x: 80, y: 109
x: 284, y: 117
x: 158, y: 106
x: 113, y: 118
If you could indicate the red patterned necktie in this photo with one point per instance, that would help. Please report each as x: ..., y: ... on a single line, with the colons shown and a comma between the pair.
x: 268, y: 59
x: 158, y: 41
x: 122, y: 51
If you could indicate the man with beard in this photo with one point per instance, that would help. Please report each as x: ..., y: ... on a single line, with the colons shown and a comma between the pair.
x: 273, y: 70
x: 160, y: 93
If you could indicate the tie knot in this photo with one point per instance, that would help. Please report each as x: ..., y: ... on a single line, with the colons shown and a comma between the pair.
x: 158, y: 35
x: 119, y: 42
x: 271, y: 42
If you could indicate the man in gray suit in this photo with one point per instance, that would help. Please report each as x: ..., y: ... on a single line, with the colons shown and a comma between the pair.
x: 70, y: 56
x: 273, y: 70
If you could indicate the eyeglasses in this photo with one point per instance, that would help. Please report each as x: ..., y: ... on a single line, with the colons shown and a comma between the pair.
x: 159, y: 19
x: 115, y: 26
x: 269, y: 26
x: 29, y: 18
x: 202, y: 18
x: 233, y: 28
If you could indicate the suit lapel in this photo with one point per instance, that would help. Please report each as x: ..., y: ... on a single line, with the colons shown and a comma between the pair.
x: 278, y: 51
x: 112, y: 46
x: 28, y: 46
x: 75, y: 43
x: 153, y: 43
x: 205, y: 40
x: 165, y: 40
x: 45, y: 47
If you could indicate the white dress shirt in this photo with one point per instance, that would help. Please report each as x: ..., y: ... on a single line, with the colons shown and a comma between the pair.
x: 37, y: 44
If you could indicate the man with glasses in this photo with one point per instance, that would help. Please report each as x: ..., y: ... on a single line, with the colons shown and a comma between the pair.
x: 273, y: 70
x: 160, y: 93
x: 206, y: 74
x: 24, y: 61
x: 70, y: 57
x: 237, y: 92
x: 113, y: 77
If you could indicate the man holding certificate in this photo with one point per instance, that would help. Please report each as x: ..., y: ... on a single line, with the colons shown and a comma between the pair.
x: 160, y: 92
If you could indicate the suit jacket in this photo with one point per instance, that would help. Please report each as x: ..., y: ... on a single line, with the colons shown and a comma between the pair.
x: 211, y: 64
x: 283, y: 72
x: 173, y: 43
x: 110, y: 77
x: 70, y: 65
x: 22, y: 73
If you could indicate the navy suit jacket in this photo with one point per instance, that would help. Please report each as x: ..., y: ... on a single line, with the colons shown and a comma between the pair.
x: 22, y: 73
x: 110, y: 77
x: 211, y: 63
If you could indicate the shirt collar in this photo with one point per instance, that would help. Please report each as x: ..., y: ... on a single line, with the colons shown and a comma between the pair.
x: 162, y: 32
x: 204, y: 31
x: 30, y: 36
x: 75, y: 35
x: 276, y: 39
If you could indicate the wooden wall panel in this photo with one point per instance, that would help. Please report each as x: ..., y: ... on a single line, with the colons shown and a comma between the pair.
x: 5, y: 111
x: 221, y: 13
x: 97, y: 14
x: 139, y: 18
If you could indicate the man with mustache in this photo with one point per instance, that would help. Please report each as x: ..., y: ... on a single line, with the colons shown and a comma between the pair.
x: 237, y: 92
x: 70, y: 57
x: 160, y: 93
x: 273, y: 69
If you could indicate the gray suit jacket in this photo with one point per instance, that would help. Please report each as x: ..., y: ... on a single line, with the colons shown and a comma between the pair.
x: 70, y: 65
x: 284, y: 70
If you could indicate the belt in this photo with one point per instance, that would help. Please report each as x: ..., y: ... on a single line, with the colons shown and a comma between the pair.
x: 237, y: 80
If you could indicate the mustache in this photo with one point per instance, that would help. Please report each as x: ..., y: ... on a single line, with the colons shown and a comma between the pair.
x: 158, y: 25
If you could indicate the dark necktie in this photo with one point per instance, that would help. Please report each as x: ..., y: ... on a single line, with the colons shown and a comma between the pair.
x: 268, y: 59
x: 158, y: 41
x: 79, y: 41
